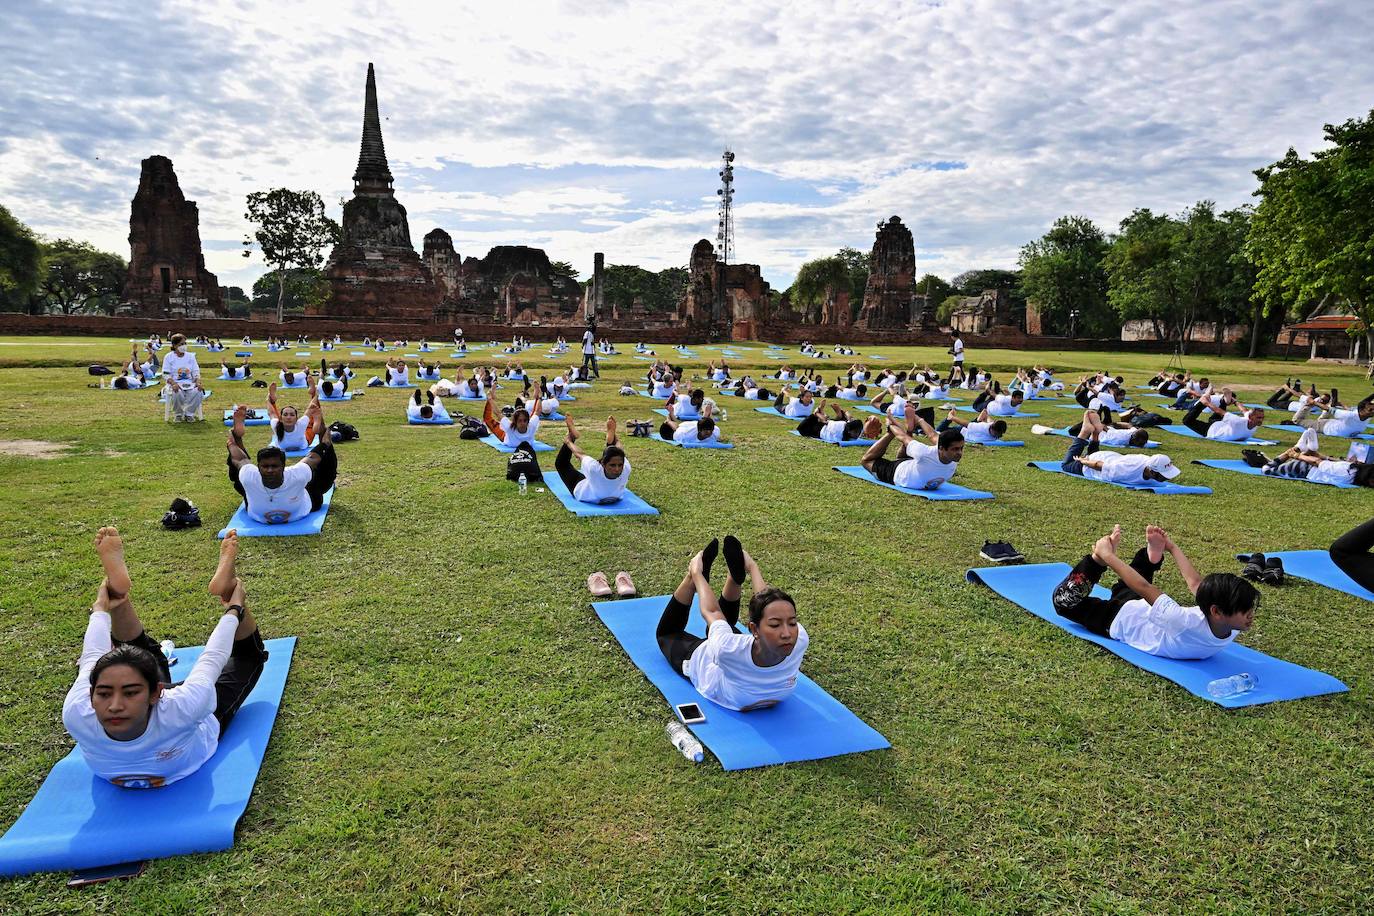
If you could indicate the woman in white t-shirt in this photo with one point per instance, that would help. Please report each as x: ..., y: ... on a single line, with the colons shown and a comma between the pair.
x: 289, y: 433
x: 133, y: 729
x: 1142, y: 616
x: 739, y: 671
x: 520, y: 426
x: 600, y: 480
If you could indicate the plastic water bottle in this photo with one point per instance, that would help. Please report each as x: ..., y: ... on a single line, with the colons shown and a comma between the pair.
x: 524, y: 484
x: 1232, y: 686
x: 684, y: 741
x: 168, y: 647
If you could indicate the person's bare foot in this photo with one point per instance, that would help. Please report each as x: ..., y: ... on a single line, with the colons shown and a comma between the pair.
x: 610, y: 427
x: 222, y: 582
x: 110, y: 546
x: 1107, y: 545
x: 1155, y: 543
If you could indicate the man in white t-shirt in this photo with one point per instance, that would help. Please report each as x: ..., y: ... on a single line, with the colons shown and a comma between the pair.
x: 589, y: 350
x: 429, y: 410
x: 697, y: 433
x: 1221, y: 425
x: 919, y: 466
x: 181, y: 374
x: 956, y: 350
x: 1142, y: 616
x: 982, y: 430
x: 1337, y: 421
x: 272, y: 492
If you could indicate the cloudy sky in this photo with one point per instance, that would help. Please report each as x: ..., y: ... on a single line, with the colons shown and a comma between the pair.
x: 598, y: 126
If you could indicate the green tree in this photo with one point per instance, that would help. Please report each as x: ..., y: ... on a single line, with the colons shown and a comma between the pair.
x: 1062, y: 272
x: 290, y: 290
x: 858, y: 263
x: 658, y: 292
x: 77, y: 277
x: 1312, y: 234
x: 1142, y: 281
x: 564, y: 269
x: 947, y: 307
x: 933, y: 288
x: 973, y: 282
x: 292, y: 229
x: 814, y: 280
x: 20, y: 263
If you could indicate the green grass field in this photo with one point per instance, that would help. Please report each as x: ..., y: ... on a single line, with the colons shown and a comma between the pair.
x: 460, y: 733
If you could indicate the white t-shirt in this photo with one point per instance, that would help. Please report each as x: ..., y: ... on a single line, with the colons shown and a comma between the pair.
x: 1343, y: 422
x: 752, y: 394
x: 1104, y: 399
x: 848, y: 394
x: 182, y: 730
x: 235, y: 372
x: 596, y: 488
x: 1116, y: 436
x: 1166, y: 629
x: 687, y: 434
x: 833, y: 431
x: 795, y: 408
x: 1118, y: 468
x: 588, y: 343
x: 513, y: 436
x: 978, y: 434
x: 719, y: 375
x: 289, y: 441
x: 722, y: 669
x: 1001, y: 406
x: 662, y: 390
x: 1231, y: 427
x: 958, y: 350
x: 924, y: 470
x: 287, y: 503
x: 684, y: 409
x: 1332, y: 472
x: 398, y: 376
x: 182, y: 371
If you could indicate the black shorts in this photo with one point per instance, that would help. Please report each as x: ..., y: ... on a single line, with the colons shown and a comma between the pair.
x: 886, y: 468
x: 238, y: 677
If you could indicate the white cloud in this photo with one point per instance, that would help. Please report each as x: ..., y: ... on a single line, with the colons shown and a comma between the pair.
x: 1055, y: 107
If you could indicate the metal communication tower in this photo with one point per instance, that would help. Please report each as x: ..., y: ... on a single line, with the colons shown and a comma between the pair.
x: 725, y: 226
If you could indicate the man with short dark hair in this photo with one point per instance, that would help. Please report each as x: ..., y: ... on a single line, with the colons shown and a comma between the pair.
x: 272, y: 492
x: 589, y: 350
x: 918, y: 466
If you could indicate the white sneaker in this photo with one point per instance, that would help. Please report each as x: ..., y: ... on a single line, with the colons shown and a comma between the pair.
x: 1041, y: 430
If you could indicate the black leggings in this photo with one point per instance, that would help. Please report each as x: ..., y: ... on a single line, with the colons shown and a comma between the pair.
x: 1073, y: 597
x: 570, y: 475
x: 1351, y: 552
x: 1194, y: 421
x: 675, y: 642
x: 236, y: 679
x: 811, y: 426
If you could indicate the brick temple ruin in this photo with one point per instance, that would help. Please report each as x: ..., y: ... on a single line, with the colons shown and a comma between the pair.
x: 167, y: 275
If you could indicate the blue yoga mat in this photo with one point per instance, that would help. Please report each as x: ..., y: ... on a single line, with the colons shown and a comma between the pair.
x: 1240, y: 467
x: 282, y: 386
x: 302, y: 352
x: 774, y: 412
x: 1293, y: 428
x: 503, y: 447
x: 808, y: 725
x: 652, y: 397
x: 1180, y: 430
x: 847, y: 442
x: 249, y: 528
x: 1064, y: 432
x: 1031, y: 586
x: 1168, y: 488
x: 240, y: 354
x: 357, y: 352
x: 253, y: 421
x: 1316, y: 566
x: 663, y: 412
x: 657, y: 438
x: 968, y: 409
x: 629, y: 504
x: 432, y: 421
x: 406, y: 385
x: 224, y: 378
x: 346, y: 396
x: 302, y: 452
x: 79, y: 821
x: 947, y: 491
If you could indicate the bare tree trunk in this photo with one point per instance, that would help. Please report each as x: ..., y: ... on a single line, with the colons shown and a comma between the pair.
x: 1255, y: 329
x: 1220, y: 334
x: 281, y: 293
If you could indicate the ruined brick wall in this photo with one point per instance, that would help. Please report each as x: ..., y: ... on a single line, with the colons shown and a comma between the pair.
x: 164, y: 247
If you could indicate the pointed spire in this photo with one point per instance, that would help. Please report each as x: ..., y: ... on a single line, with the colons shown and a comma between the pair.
x: 372, y: 176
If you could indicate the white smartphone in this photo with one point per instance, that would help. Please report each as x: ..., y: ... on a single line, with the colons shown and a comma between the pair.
x: 690, y: 713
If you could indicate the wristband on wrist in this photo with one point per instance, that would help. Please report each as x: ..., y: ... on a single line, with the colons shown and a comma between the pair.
x: 237, y: 610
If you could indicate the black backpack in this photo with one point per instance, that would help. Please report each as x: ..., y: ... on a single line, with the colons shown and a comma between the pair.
x: 522, y: 461
x: 340, y: 431
x: 1146, y: 419
x: 181, y: 514
x: 100, y: 370
x: 471, y: 429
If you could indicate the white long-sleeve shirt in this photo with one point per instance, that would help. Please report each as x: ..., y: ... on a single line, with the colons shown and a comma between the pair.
x: 182, y: 730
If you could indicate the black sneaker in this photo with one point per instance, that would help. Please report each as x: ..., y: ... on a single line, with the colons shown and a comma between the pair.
x: 1254, y: 567
x: 1273, y: 571
x: 1000, y: 552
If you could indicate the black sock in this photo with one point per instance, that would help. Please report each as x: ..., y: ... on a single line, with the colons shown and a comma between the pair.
x: 734, y: 558
x: 708, y: 556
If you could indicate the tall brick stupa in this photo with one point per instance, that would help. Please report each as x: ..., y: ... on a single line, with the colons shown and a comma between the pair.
x: 374, y: 270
